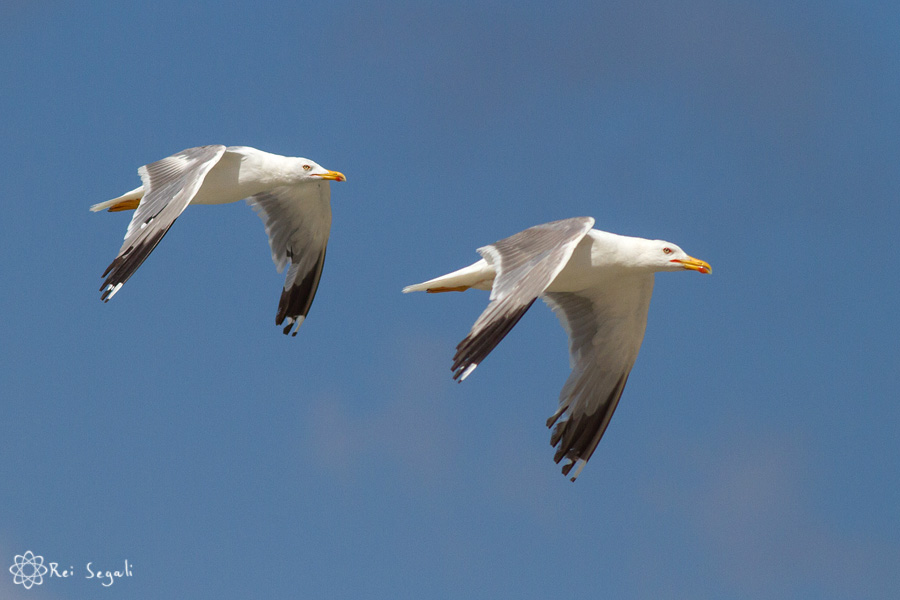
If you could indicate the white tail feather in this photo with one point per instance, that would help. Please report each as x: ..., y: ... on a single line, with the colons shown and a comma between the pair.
x: 479, y: 275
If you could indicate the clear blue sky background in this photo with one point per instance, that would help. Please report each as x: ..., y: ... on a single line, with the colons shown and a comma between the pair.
x: 755, y: 453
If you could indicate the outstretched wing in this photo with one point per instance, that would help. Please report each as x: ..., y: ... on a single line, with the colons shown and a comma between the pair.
x: 605, y: 329
x: 526, y: 263
x: 169, y: 186
x: 298, y: 223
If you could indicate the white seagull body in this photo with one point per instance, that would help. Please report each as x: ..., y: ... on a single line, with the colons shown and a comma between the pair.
x: 291, y: 196
x: 599, y: 285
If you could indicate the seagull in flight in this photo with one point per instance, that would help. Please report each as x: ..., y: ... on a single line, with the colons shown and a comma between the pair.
x: 291, y: 195
x: 599, y: 285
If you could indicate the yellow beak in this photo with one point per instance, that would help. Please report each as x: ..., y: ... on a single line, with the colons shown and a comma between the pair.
x: 694, y: 264
x: 333, y: 176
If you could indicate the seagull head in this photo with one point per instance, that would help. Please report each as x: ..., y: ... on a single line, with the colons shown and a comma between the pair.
x: 312, y: 171
x: 666, y: 256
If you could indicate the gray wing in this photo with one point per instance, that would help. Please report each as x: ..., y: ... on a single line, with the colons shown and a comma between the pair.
x: 605, y: 329
x: 526, y: 263
x: 169, y: 186
x: 298, y: 223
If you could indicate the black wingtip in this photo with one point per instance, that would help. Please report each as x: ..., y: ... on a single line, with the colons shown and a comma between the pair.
x: 475, y: 348
x: 296, y: 300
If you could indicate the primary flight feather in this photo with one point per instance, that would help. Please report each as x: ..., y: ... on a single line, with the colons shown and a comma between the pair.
x: 291, y: 195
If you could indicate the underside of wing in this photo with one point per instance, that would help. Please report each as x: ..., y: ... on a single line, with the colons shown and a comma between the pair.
x: 298, y: 222
x: 525, y: 263
x: 169, y: 186
x: 576, y: 436
x: 604, y: 340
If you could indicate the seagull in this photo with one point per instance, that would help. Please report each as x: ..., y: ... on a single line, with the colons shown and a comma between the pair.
x: 291, y: 196
x: 599, y: 285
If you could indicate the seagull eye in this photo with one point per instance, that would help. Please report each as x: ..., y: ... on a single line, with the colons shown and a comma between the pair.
x: 667, y: 250
x: 307, y: 167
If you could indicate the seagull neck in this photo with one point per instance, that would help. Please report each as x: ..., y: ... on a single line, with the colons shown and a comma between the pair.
x: 617, y: 253
x: 269, y: 170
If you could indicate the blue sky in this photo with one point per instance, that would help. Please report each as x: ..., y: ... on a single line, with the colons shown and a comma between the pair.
x: 755, y: 452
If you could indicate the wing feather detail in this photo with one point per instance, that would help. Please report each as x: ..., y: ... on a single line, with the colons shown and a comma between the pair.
x: 605, y: 332
x: 298, y: 223
x: 525, y: 264
x: 169, y: 186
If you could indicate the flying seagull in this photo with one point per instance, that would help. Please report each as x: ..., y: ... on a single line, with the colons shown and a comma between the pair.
x: 599, y: 285
x: 291, y: 196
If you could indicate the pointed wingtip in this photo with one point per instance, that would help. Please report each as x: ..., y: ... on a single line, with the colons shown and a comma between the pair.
x: 110, y: 291
x: 293, y: 323
x: 468, y: 370
x: 577, y: 471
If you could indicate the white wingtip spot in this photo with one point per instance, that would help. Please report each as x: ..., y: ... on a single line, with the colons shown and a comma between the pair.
x: 578, y: 470
x: 297, y: 323
x: 112, y: 291
x: 468, y: 370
